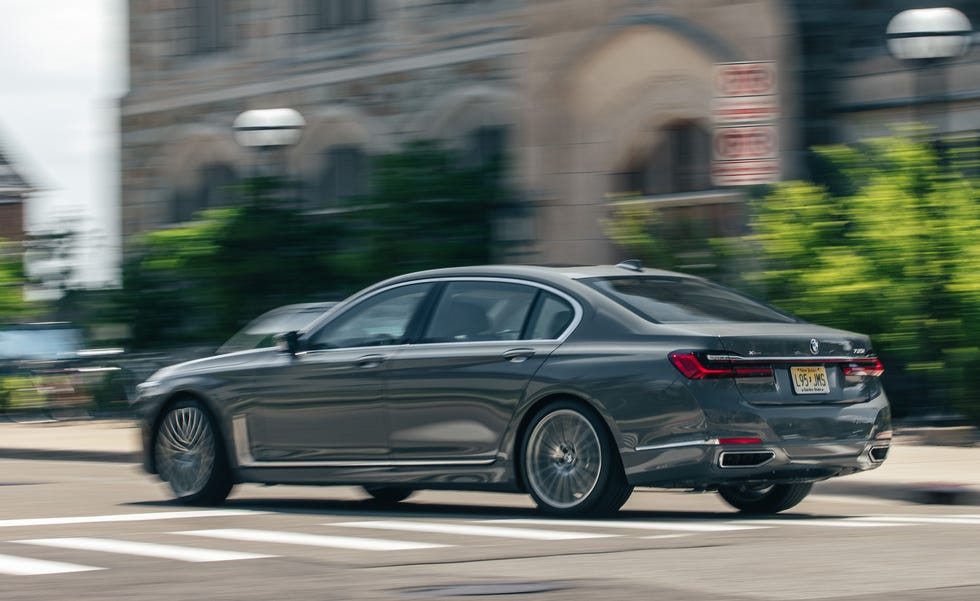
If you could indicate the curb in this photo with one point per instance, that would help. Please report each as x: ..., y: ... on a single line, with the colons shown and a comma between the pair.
x: 70, y: 455
x: 922, y: 493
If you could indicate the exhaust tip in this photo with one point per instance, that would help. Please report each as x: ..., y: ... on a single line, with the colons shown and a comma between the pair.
x: 735, y: 459
x: 878, y: 454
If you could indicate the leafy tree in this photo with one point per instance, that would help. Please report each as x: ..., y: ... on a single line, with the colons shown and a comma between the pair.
x: 12, y: 280
x: 200, y: 282
x: 426, y: 210
x: 895, y: 254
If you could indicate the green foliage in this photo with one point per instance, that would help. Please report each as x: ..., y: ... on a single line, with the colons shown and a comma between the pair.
x: 896, y: 256
x: 202, y: 281
x: 12, y: 280
x: 426, y: 210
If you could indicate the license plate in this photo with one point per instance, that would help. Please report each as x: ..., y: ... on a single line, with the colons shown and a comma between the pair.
x: 810, y: 380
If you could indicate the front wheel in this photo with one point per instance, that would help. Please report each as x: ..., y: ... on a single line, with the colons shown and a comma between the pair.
x: 765, y: 498
x: 190, y: 456
x: 570, y: 464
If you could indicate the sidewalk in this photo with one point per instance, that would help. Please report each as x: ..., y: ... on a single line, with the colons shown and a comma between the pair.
x: 915, y: 470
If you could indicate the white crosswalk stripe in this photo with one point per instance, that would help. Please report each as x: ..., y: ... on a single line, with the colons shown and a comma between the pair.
x: 471, y: 530
x: 127, y: 517
x: 675, y: 526
x: 312, y: 540
x: 845, y: 523
x: 923, y: 519
x: 25, y: 566
x: 108, y: 545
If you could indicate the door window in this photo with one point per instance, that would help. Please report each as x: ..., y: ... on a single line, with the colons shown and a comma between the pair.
x: 379, y: 320
x: 473, y: 311
x: 552, y: 317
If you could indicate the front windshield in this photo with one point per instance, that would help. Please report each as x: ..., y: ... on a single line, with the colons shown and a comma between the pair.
x: 663, y: 299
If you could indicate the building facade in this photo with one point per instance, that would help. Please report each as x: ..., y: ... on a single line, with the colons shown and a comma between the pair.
x: 14, y: 191
x: 591, y: 100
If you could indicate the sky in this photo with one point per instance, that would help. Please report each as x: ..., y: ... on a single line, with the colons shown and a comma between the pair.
x: 62, y: 72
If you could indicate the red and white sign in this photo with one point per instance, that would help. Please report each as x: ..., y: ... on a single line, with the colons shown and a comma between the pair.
x: 745, y: 79
x: 745, y: 109
x: 746, y: 142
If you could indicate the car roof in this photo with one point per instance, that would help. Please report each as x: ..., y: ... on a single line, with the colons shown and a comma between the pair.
x: 555, y: 274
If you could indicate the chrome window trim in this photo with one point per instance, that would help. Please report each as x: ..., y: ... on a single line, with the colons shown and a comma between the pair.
x: 576, y: 309
x: 243, y: 452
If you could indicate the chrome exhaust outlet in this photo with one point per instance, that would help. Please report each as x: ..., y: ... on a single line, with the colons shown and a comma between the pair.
x: 878, y: 454
x: 736, y: 459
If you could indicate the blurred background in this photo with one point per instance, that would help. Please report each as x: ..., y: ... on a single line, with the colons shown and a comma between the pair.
x: 171, y: 169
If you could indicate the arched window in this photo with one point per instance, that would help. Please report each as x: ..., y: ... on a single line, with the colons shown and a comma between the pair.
x: 215, y: 188
x: 680, y: 161
x: 344, y: 173
x: 485, y: 144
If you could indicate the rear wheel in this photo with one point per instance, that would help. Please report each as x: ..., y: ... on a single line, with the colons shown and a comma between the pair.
x: 388, y: 495
x: 765, y: 498
x: 190, y: 456
x: 570, y: 464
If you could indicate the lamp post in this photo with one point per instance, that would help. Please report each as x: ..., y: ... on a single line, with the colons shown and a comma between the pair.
x: 924, y: 38
x: 269, y: 132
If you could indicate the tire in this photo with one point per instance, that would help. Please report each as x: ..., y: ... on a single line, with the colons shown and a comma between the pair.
x: 190, y: 456
x: 569, y: 463
x: 771, y: 498
x: 388, y: 495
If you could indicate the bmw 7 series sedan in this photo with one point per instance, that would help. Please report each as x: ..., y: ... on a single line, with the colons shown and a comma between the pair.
x: 573, y: 385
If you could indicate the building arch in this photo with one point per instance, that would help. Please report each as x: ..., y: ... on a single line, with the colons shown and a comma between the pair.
x: 199, y: 170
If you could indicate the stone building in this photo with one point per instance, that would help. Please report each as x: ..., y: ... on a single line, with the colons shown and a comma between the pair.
x: 591, y: 100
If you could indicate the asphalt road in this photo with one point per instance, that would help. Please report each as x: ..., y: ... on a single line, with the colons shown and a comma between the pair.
x: 88, y: 530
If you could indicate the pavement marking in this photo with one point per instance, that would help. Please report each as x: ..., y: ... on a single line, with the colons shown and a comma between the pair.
x: 312, y: 540
x: 122, y: 547
x: 468, y: 530
x: 923, y: 519
x: 127, y: 517
x: 659, y: 536
x: 844, y: 523
x: 23, y: 566
x: 850, y: 500
x: 679, y: 526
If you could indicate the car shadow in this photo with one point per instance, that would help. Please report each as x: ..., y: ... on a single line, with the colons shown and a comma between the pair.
x: 408, y: 509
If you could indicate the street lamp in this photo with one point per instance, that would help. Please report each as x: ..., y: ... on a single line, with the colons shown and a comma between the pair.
x: 925, y: 37
x: 268, y: 128
x: 269, y: 132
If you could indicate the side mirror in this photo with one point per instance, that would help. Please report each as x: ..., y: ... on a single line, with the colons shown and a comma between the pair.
x: 287, y: 342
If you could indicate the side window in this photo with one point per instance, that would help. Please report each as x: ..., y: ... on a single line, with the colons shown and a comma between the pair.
x: 382, y: 319
x: 470, y: 311
x: 552, y: 317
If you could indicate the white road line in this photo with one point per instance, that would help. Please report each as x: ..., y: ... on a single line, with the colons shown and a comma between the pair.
x: 312, y: 540
x: 126, y: 517
x: 922, y: 520
x: 678, y: 526
x: 24, y: 566
x: 123, y: 547
x: 844, y: 523
x: 468, y: 530
x: 851, y: 500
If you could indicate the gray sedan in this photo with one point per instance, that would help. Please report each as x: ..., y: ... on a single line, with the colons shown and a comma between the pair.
x: 573, y: 385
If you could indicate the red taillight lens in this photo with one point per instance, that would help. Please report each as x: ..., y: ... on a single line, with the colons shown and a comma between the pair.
x: 694, y: 368
x: 739, y: 441
x: 865, y: 367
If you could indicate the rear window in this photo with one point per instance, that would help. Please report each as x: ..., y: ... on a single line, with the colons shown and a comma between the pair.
x: 685, y: 300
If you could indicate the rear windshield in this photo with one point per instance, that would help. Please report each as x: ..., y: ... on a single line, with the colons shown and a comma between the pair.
x: 684, y: 300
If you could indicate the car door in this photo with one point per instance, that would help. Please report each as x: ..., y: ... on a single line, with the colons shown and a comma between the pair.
x: 452, y: 393
x: 327, y: 404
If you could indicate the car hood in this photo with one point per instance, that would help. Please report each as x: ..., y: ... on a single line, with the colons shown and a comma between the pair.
x: 210, y: 364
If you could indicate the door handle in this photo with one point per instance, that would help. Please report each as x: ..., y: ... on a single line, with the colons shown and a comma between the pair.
x: 369, y: 361
x: 517, y: 355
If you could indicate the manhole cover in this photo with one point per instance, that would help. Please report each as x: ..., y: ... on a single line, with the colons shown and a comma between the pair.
x: 477, y: 590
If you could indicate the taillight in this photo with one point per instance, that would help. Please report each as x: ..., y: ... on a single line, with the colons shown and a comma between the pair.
x: 864, y: 367
x: 694, y: 368
x: 739, y: 441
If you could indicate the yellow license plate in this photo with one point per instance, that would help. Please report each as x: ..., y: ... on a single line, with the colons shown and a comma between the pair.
x: 810, y: 380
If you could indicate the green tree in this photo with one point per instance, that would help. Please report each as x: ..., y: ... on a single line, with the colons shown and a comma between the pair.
x: 894, y: 253
x: 12, y: 280
x: 425, y: 210
x: 200, y: 282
